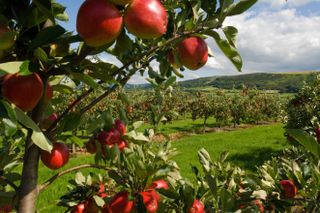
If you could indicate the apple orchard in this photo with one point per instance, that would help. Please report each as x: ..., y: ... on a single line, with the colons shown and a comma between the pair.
x: 43, y: 65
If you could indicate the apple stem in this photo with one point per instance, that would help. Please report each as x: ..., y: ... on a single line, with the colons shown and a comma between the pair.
x: 56, y: 176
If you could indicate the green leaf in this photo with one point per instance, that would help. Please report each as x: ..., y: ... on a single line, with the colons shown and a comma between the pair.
x: 71, y: 121
x: 137, y: 136
x: 85, y: 79
x: 205, y: 159
x: 227, y: 49
x: 306, y: 140
x: 24, y: 69
x: 10, y: 67
x: 240, y: 7
x: 40, y: 54
x: 170, y: 81
x: 37, y: 136
x: 46, y: 36
x: 137, y: 124
x: 80, y: 178
x: 99, y: 201
x: 231, y: 34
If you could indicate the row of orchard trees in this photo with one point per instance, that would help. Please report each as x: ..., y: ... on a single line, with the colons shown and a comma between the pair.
x: 164, y: 105
x: 246, y: 106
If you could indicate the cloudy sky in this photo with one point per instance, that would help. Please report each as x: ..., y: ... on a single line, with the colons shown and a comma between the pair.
x: 274, y: 36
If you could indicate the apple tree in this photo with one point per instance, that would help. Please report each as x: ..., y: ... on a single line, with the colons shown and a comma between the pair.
x: 41, y: 60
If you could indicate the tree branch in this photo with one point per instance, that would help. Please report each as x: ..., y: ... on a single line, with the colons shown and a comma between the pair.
x: 10, y: 183
x: 56, y: 176
x: 122, y: 82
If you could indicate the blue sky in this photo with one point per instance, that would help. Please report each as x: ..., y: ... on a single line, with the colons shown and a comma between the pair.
x: 274, y: 36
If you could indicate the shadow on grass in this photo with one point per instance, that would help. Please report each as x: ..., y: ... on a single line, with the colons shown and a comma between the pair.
x: 188, y: 128
x: 253, y: 158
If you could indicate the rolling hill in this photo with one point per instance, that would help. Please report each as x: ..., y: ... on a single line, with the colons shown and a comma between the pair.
x: 283, y: 82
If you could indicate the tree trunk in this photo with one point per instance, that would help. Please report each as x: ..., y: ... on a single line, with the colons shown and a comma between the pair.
x: 28, y: 191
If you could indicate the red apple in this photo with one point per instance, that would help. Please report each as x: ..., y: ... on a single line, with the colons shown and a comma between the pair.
x: 79, y: 208
x: 49, y: 93
x: 120, y: 203
x: 150, y: 201
x: 6, y: 208
x: 58, y: 157
x: 120, y: 126
x: 289, y: 189
x: 24, y: 91
x: 122, y: 145
x: 91, y: 206
x: 98, y: 22
x: 193, y: 52
x: 7, y: 38
x: 197, y: 207
x: 121, y: 2
x: 259, y: 204
x: 146, y: 19
x: 159, y: 184
x: 53, y: 117
x: 91, y: 146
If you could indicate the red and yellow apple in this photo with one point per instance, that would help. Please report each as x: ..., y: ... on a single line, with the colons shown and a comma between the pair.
x: 58, y: 157
x: 24, y: 91
x: 193, y: 52
x: 98, y: 22
x: 146, y: 19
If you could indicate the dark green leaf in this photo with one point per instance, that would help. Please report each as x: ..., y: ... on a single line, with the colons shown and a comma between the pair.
x: 228, y: 50
x: 240, y: 7
x: 231, y: 34
x: 306, y: 140
x: 37, y: 137
x: 85, y: 79
x: 46, y: 36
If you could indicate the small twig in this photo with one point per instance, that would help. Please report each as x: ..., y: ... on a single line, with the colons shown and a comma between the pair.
x: 56, y: 176
x: 10, y: 183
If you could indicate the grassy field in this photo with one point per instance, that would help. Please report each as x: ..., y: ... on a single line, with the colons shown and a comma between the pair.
x: 247, y: 147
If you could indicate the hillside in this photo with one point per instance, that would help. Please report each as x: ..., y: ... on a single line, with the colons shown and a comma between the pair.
x: 283, y: 82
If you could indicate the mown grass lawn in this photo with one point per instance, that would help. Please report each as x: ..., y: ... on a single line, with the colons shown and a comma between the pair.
x: 247, y: 147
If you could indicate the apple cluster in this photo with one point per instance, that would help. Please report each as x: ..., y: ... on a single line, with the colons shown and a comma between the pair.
x: 109, y: 138
x: 99, y: 22
x: 25, y: 91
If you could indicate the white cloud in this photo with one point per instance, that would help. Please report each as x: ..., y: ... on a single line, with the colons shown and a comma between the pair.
x: 278, y: 41
x: 288, y: 3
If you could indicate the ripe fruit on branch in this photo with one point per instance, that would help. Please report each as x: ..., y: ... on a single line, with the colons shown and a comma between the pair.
x: 121, y: 2
x: 98, y: 22
x: 79, y: 208
x: 7, y: 38
x: 197, y: 207
x: 159, y: 184
x: 120, y: 126
x: 109, y: 137
x: 146, y: 19
x: 122, y: 145
x: 150, y: 201
x: 58, y: 157
x: 259, y: 204
x: 24, y: 91
x: 91, y: 146
x: 120, y: 203
x: 6, y: 208
x: 289, y: 189
x: 193, y: 52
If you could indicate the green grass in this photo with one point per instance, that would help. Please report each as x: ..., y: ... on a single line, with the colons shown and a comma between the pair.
x: 248, y: 148
x: 182, y: 125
